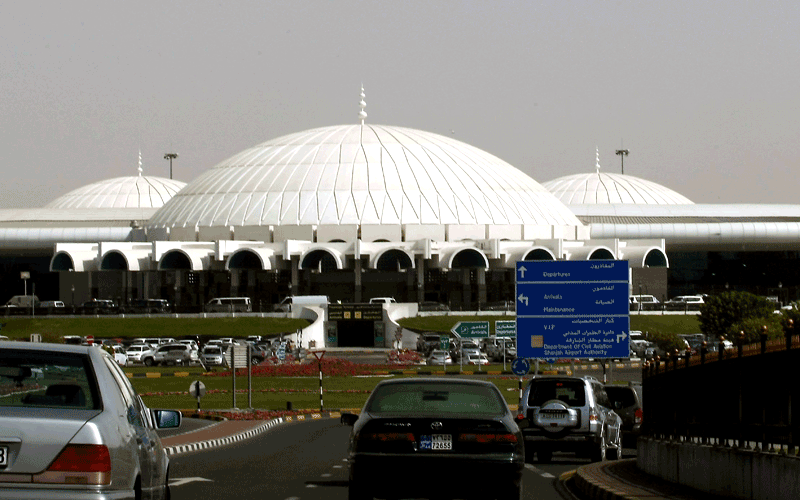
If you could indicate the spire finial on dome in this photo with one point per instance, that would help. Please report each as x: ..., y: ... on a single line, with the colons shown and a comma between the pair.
x: 362, y: 114
x: 140, y: 162
x: 597, y: 159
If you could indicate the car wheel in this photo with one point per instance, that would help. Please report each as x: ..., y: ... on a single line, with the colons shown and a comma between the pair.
x: 513, y: 492
x: 255, y: 360
x: 529, y: 454
x: 545, y: 456
x: 148, y: 361
x: 613, y: 453
x: 357, y: 491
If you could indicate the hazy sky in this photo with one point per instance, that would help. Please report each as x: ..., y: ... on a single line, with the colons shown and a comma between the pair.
x: 704, y: 94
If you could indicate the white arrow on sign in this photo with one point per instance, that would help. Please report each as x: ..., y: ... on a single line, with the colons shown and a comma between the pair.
x: 185, y: 480
x: 623, y: 335
x: 522, y: 270
x: 523, y: 299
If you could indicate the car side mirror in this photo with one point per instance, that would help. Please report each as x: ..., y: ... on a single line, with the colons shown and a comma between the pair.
x: 348, y: 419
x: 167, y: 419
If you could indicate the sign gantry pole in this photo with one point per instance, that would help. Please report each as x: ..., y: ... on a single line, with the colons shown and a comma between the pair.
x: 319, y: 355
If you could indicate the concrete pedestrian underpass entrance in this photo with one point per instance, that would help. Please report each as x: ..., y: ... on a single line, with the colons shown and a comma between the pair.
x: 355, y: 325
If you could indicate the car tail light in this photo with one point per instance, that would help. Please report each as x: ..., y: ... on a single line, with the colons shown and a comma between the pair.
x: 593, y: 415
x: 488, y: 438
x: 79, y: 464
x: 637, y: 415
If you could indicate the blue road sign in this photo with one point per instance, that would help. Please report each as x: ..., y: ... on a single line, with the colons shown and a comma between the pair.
x: 572, y: 309
x: 575, y: 337
x: 570, y: 299
x: 520, y: 366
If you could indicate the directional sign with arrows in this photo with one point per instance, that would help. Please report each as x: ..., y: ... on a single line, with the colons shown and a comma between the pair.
x: 572, y: 309
x: 471, y: 329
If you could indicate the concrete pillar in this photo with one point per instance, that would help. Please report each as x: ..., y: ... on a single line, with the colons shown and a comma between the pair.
x: 293, y: 285
x: 421, y: 265
x: 357, y: 280
x: 481, y: 285
x: 466, y: 289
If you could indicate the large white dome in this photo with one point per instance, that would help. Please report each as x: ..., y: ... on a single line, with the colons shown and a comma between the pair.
x: 601, y: 188
x: 120, y: 192
x: 362, y: 174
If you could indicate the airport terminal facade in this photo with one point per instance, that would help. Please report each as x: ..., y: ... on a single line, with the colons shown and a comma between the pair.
x: 361, y: 211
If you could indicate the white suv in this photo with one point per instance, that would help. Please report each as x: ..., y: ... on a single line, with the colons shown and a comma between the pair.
x: 685, y: 303
x: 140, y: 353
x: 572, y: 414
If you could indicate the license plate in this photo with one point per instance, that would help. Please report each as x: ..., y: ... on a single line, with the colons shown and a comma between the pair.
x: 436, y: 442
x: 3, y: 456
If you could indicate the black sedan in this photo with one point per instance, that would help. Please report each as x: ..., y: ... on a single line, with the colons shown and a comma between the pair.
x: 431, y: 431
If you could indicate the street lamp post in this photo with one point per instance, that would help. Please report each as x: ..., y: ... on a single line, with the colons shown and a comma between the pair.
x: 622, y: 153
x: 170, y: 157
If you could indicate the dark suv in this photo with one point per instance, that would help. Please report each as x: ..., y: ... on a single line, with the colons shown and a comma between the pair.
x: 148, y: 306
x: 572, y: 414
x: 627, y: 402
x: 100, y: 306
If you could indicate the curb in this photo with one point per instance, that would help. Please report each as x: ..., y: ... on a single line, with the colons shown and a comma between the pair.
x: 593, y: 482
x: 212, y: 443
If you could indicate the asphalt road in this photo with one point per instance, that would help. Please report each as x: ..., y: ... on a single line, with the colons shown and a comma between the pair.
x: 306, y: 460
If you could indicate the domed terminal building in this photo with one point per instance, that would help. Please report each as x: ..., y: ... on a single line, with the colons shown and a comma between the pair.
x: 710, y: 247
x: 108, y: 210
x: 354, y: 212
x: 360, y: 211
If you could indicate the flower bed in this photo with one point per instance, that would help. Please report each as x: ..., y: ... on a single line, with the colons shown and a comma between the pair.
x: 331, y: 367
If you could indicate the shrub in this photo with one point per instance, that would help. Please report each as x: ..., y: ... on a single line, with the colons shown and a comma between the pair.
x: 666, y: 341
x: 752, y: 328
x: 720, y: 313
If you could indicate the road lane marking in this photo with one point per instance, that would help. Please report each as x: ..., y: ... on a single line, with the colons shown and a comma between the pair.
x: 186, y: 480
x: 539, y: 471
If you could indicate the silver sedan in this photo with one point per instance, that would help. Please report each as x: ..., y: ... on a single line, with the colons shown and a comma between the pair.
x: 73, y: 427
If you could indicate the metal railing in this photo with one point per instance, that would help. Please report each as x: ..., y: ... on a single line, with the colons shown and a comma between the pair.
x: 746, y: 397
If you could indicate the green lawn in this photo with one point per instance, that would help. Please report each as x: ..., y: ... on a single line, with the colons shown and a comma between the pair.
x: 272, y: 393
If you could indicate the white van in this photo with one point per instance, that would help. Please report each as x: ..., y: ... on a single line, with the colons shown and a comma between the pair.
x: 289, y: 302
x: 50, y: 304
x: 229, y: 304
x: 644, y: 303
x: 382, y: 300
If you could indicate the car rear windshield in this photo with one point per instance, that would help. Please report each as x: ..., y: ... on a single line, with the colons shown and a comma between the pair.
x: 437, y: 399
x: 569, y: 391
x: 622, y: 395
x: 47, y: 380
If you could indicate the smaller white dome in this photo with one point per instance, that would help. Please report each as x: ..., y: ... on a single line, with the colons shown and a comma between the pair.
x: 120, y: 192
x: 601, y: 188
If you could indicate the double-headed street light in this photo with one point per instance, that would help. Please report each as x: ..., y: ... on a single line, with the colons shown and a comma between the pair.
x: 622, y: 153
x: 170, y: 157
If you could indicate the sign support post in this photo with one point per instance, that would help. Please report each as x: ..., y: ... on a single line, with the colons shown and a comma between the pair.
x: 470, y: 330
x: 319, y: 355
x: 249, y: 376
